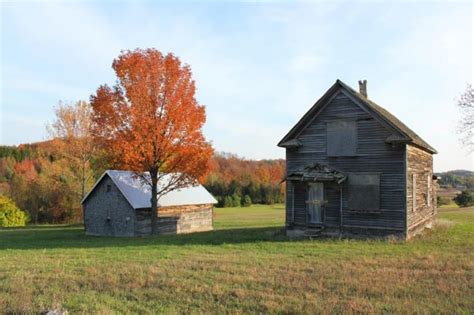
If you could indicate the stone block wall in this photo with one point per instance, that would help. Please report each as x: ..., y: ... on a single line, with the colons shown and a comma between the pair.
x: 107, y: 212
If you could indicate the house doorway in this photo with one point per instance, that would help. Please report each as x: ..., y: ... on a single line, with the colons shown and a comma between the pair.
x: 315, y: 203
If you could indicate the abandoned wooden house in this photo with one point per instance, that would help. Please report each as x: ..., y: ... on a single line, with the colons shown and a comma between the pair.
x: 354, y: 169
x: 119, y: 205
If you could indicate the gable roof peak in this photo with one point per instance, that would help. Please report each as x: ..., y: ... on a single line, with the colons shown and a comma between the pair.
x: 376, y: 110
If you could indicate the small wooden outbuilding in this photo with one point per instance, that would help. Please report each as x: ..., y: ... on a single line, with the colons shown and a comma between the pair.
x: 119, y: 205
x: 354, y: 169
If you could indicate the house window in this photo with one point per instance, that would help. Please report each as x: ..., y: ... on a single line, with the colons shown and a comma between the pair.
x: 341, y: 138
x: 109, y: 188
x: 364, y: 192
x: 414, y: 191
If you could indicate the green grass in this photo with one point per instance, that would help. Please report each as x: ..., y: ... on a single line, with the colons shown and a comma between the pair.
x: 246, y: 265
x: 451, y: 204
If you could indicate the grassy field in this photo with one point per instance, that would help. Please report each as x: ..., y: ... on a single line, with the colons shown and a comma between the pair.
x: 246, y: 265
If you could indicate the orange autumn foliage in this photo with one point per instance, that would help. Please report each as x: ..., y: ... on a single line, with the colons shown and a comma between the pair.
x: 228, y: 167
x: 151, y: 121
x: 27, y: 169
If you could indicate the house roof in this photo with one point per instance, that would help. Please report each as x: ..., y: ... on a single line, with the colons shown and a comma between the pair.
x: 406, y: 134
x: 138, y: 193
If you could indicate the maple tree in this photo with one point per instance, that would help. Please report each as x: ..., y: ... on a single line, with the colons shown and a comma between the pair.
x: 151, y: 121
x: 71, y: 131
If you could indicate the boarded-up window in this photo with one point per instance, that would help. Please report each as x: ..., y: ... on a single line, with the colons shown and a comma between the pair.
x: 341, y: 138
x: 364, y: 192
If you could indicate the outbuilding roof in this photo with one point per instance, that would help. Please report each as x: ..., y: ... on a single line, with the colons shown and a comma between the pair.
x: 138, y: 193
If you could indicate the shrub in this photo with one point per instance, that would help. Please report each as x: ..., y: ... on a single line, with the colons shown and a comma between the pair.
x: 236, y: 200
x: 220, y: 202
x: 246, y: 202
x: 10, y: 215
x: 464, y: 199
x: 441, y: 201
x: 228, y: 202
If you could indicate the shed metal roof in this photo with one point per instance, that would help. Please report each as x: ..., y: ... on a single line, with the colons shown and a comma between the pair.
x: 138, y: 193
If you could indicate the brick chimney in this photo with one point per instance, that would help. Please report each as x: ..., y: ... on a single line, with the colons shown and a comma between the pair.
x: 363, y: 87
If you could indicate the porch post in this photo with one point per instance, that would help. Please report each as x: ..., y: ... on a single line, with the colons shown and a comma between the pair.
x: 292, y: 203
x: 340, y: 210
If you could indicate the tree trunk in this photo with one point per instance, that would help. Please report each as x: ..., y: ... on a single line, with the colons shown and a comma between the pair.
x: 83, y: 184
x: 154, y: 203
x: 83, y: 192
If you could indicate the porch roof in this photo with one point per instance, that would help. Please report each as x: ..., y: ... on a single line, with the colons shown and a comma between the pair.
x: 317, y: 172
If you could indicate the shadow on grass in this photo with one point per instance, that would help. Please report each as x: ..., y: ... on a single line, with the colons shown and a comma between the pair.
x: 63, y: 237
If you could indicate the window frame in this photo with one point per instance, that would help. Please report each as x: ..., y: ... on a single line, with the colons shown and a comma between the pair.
x: 332, y: 151
x: 371, y: 209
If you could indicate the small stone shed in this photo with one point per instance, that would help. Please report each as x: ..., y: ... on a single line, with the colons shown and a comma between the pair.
x: 119, y: 205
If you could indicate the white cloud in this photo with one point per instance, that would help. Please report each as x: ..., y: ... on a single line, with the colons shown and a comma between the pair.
x: 68, y: 32
x: 22, y: 82
x: 32, y: 129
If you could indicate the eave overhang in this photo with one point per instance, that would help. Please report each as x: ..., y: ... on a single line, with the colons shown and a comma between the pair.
x: 293, y: 143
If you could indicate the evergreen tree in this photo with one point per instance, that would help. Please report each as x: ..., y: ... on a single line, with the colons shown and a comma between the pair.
x: 464, y: 199
x: 236, y: 200
x: 228, y: 202
x: 246, y: 202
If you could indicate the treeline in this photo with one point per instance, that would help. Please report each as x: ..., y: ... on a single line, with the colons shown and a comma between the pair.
x: 460, y: 179
x: 46, y: 183
x: 19, y: 153
x: 41, y: 181
x: 236, y: 182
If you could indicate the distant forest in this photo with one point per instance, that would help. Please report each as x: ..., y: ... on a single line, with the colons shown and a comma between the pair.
x: 235, y: 181
x: 43, y: 182
x: 461, y: 179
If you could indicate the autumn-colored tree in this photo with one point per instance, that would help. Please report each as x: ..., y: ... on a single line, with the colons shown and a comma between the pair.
x: 232, y: 175
x: 72, y: 136
x: 152, y: 122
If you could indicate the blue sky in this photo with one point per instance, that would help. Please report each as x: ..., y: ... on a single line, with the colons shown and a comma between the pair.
x: 258, y: 66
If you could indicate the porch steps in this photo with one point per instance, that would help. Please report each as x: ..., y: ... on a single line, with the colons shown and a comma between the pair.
x: 313, y: 232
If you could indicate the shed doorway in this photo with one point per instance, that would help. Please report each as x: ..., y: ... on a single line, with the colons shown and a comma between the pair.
x: 315, y: 203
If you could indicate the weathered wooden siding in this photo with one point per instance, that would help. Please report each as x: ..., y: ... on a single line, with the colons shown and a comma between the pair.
x: 332, y: 207
x: 177, y: 219
x: 300, y: 215
x: 373, y: 155
x: 420, y: 165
